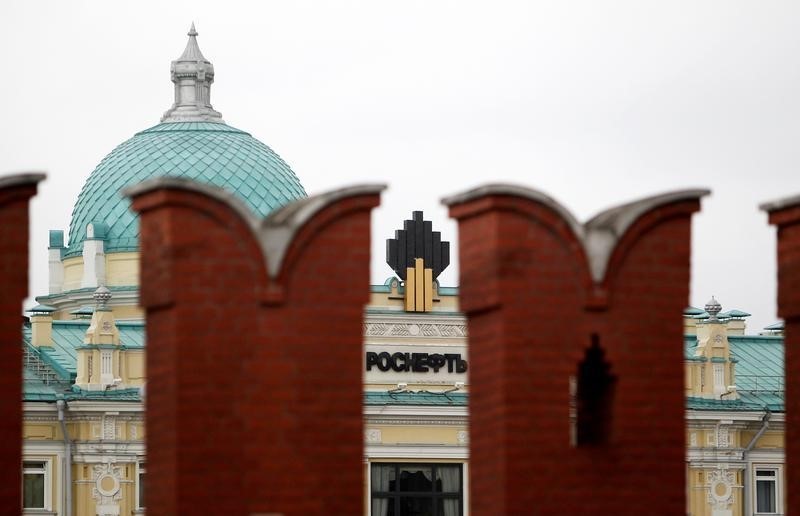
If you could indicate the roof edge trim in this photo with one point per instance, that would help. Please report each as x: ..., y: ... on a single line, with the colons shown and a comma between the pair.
x: 779, y: 204
x: 22, y: 179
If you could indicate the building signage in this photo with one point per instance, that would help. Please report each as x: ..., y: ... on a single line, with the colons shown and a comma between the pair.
x: 416, y: 362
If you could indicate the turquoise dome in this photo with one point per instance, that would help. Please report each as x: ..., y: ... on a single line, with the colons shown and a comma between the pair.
x: 211, y: 152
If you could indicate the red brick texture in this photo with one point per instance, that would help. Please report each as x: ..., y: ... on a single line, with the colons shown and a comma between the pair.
x: 787, y: 219
x: 254, y: 393
x: 532, y: 307
x: 15, y: 194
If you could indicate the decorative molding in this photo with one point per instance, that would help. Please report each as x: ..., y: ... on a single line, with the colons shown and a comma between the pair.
x: 373, y: 435
x: 40, y: 419
x: 713, y: 416
x: 417, y: 422
x: 78, y: 297
x: 462, y: 436
x: 109, y: 428
x: 418, y: 452
x: 416, y: 411
x: 723, y: 437
x: 720, y: 484
x: 106, y: 490
x: 415, y: 330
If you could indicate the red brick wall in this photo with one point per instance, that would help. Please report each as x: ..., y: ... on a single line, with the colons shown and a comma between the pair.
x: 254, y: 394
x: 15, y: 193
x: 532, y: 307
x: 787, y: 219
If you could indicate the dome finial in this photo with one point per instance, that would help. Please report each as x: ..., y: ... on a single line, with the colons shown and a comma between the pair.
x: 101, y: 296
x: 193, y: 75
x: 713, y: 308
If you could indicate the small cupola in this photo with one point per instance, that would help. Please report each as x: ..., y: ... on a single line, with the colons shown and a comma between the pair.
x: 193, y: 76
x: 712, y: 368
x: 99, y: 359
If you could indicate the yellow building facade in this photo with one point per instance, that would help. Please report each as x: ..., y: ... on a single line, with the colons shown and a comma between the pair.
x: 416, y: 384
x: 734, y: 417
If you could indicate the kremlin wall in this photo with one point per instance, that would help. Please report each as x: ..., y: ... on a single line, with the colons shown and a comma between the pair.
x: 565, y: 374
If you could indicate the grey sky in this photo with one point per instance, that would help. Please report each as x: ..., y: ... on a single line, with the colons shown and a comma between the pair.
x: 595, y: 103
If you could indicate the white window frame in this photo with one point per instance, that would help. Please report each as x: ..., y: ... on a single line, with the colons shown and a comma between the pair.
x: 778, y: 469
x: 106, y: 367
x: 48, y: 483
x: 718, y: 372
x: 141, y: 468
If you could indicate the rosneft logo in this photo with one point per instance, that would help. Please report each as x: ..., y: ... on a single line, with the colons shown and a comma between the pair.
x: 418, y: 255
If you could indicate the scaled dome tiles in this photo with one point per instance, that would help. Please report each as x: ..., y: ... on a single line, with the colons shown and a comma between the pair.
x: 209, y: 152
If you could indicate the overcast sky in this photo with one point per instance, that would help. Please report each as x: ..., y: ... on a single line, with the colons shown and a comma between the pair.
x: 595, y: 103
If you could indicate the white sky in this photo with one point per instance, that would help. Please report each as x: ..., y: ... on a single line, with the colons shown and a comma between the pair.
x: 596, y: 103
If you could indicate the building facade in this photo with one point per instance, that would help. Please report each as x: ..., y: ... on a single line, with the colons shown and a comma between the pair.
x: 84, y: 348
x: 735, y: 415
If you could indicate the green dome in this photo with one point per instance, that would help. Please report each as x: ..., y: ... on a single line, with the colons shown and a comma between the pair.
x: 210, y: 152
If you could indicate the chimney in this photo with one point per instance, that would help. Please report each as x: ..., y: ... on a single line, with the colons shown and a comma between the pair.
x: 41, y: 325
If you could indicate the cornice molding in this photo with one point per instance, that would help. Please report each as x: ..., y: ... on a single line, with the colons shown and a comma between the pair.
x: 416, y: 422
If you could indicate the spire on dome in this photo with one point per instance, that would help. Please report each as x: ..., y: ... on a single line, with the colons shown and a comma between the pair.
x: 192, y: 51
x: 193, y: 75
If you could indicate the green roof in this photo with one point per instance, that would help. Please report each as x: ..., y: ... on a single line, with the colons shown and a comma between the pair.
x: 68, y: 336
x: 759, y: 374
x: 212, y: 153
x: 734, y: 314
x: 41, y: 309
x: 34, y: 389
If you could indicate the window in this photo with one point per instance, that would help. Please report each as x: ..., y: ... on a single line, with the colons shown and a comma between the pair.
x: 766, y: 491
x: 417, y: 490
x: 140, y: 482
x: 106, y: 369
x: 719, y: 378
x: 34, y: 485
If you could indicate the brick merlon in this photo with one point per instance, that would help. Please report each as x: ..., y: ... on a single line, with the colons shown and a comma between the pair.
x: 274, y: 232
x: 602, y: 232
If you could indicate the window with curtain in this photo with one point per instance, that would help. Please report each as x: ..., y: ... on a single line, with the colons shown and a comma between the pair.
x: 404, y: 489
x: 766, y: 491
x: 140, y: 481
x: 34, y: 474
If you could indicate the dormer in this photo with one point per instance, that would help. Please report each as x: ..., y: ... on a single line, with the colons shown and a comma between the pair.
x: 100, y: 357
x: 711, y: 368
